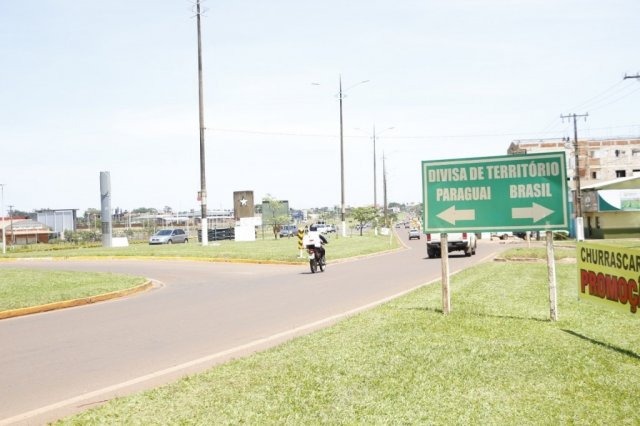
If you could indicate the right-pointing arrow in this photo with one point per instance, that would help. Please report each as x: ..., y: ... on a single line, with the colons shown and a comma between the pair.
x: 535, y: 212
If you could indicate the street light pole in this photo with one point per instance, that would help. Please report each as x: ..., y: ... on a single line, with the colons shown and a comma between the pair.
x: 342, y: 220
x: 342, y: 204
x: 375, y: 175
x: 13, y: 236
x: 4, y: 235
x: 384, y: 188
x: 375, y: 185
x: 204, y: 233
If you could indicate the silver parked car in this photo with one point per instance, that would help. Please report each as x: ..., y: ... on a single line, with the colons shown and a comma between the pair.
x: 169, y: 236
x: 288, y: 231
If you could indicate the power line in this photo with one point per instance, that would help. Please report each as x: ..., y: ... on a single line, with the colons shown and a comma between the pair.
x: 601, y: 96
x: 521, y: 135
x: 596, y: 102
x: 275, y: 133
x: 615, y: 100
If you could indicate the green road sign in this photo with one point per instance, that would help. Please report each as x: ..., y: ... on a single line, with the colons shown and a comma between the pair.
x: 506, y: 193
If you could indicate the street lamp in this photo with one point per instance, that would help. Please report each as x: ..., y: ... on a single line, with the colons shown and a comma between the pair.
x: 4, y: 235
x: 202, y: 196
x: 342, y: 208
x: 384, y: 188
x: 375, y: 177
x: 385, y: 191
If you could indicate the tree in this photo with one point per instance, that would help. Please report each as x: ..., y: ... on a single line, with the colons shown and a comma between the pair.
x: 21, y: 213
x: 389, y: 219
x: 91, y: 212
x: 276, y: 214
x: 91, y: 215
x: 142, y: 210
x: 363, y: 215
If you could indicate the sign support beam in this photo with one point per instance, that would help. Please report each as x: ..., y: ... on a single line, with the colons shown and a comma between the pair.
x: 444, y: 257
x: 551, y: 277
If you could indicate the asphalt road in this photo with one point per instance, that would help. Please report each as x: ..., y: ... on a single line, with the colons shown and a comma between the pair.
x: 197, y: 315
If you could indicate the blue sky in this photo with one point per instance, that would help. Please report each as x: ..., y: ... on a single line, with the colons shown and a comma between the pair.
x: 112, y: 86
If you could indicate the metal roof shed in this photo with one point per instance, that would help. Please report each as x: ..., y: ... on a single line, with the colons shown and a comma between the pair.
x: 612, y: 209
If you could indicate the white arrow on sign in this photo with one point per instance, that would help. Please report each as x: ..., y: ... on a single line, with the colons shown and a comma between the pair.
x: 451, y: 215
x: 535, y: 212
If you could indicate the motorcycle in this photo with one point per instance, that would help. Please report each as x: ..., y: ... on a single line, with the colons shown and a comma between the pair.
x: 316, y: 260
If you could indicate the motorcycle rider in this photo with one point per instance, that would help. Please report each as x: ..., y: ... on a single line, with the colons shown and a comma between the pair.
x: 314, y: 238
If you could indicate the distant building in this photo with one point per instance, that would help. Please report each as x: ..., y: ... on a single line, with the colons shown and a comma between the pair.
x: 59, y: 220
x: 24, y: 231
x: 598, y: 160
x: 607, y: 169
x: 612, y: 208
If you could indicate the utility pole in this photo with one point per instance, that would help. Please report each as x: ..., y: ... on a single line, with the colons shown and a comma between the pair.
x: 4, y: 234
x: 342, y: 207
x: 375, y: 187
x: 204, y: 233
x: 375, y: 178
x: 13, y: 237
x: 578, y: 198
x: 384, y: 189
x: 341, y: 96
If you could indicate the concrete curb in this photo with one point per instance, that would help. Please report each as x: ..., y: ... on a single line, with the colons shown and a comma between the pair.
x: 74, y: 302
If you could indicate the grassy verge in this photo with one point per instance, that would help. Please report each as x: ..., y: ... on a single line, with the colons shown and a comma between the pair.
x: 560, y: 253
x: 21, y: 288
x: 283, y: 250
x: 496, y: 359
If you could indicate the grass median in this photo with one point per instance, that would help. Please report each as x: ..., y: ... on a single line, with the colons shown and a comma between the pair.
x: 267, y: 249
x: 496, y: 359
x: 24, y: 287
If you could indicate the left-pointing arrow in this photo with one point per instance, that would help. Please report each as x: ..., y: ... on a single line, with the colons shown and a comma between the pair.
x: 451, y: 215
x: 535, y: 212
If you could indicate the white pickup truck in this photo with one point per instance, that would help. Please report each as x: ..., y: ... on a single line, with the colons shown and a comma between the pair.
x: 456, y: 241
x: 324, y: 228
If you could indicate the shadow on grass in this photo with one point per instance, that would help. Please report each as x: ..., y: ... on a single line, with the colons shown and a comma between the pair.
x: 481, y: 314
x: 626, y: 352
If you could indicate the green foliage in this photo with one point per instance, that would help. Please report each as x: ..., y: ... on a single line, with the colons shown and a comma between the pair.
x: 79, y: 237
x: 22, y: 213
x: 145, y: 210
x: 364, y: 215
x: 539, y: 253
x: 275, y: 214
x: 90, y: 212
x: 389, y: 219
